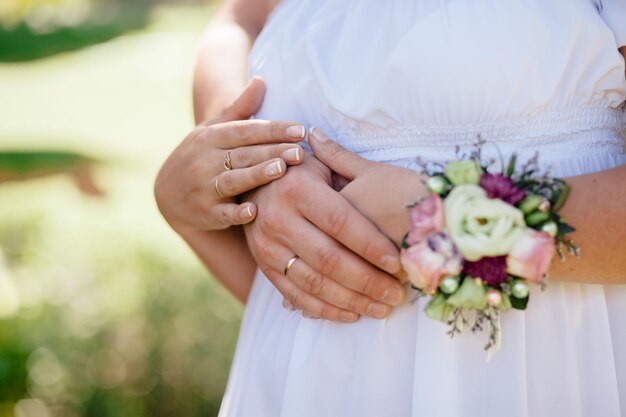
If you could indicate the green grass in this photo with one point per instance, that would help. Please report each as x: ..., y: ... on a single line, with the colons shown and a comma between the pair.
x: 116, y: 317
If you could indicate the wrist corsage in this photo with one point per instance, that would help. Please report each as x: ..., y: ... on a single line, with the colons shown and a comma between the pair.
x: 480, y: 239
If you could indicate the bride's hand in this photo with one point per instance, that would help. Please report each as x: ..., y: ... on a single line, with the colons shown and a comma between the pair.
x: 336, y: 275
x: 195, y: 191
x: 379, y: 191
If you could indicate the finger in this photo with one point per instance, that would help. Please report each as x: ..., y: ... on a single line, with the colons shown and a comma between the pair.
x: 248, y: 156
x: 238, y: 181
x: 341, y: 221
x: 306, y: 302
x: 246, y: 105
x: 252, y: 132
x: 332, y: 260
x: 330, y: 291
x: 230, y: 214
x: 334, y: 156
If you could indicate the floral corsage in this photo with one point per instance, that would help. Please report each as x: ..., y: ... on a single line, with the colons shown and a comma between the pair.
x: 480, y: 238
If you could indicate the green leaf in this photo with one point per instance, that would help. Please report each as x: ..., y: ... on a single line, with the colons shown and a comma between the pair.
x: 510, y: 169
x: 537, y: 217
x: 562, y: 198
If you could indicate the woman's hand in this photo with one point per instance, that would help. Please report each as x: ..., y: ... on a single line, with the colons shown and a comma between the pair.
x: 336, y: 276
x: 195, y: 191
x: 379, y: 191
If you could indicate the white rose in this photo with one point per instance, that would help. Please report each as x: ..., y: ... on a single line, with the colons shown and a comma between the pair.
x: 481, y: 226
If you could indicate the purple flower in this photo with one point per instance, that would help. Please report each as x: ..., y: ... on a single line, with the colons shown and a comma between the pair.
x: 498, y: 186
x: 491, y: 269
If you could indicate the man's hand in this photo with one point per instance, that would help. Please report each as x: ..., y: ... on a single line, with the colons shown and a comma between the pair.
x: 336, y: 276
x: 379, y: 191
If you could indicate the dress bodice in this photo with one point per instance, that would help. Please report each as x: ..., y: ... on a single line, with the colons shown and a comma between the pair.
x: 395, y: 79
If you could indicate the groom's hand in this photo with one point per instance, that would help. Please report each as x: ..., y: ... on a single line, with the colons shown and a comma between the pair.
x: 337, y: 275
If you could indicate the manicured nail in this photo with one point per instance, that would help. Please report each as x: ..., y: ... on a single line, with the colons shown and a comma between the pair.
x: 390, y: 263
x: 393, y: 296
x: 292, y: 155
x: 247, y: 212
x: 296, y: 132
x: 273, y: 169
x: 348, y: 317
x: 378, y: 311
x: 317, y: 134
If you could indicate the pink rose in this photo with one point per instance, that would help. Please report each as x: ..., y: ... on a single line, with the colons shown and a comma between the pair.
x: 531, y: 255
x: 426, y: 217
x: 428, y: 261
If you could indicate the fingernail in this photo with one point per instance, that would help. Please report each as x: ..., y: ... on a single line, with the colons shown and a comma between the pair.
x: 317, y: 134
x: 295, y: 132
x: 348, y: 317
x: 247, y: 212
x: 274, y: 169
x: 377, y: 311
x: 390, y: 263
x: 288, y: 305
x: 393, y: 296
x: 292, y: 155
x: 309, y: 316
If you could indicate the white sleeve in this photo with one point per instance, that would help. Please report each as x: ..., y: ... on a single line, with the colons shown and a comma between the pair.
x: 614, y: 14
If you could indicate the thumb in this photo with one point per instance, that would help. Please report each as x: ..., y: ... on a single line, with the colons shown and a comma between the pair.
x: 336, y: 157
x: 246, y: 105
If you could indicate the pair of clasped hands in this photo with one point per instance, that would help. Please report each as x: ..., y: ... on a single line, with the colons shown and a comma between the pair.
x: 344, y: 216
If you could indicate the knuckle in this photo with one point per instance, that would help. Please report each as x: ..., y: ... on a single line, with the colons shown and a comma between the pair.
x: 295, y: 298
x: 328, y: 313
x: 276, y: 131
x: 243, y: 158
x: 336, y: 221
x: 271, y: 221
x: 313, y: 283
x: 354, y: 302
x: 328, y: 260
x: 227, y: 183
x: 224, y: 215
x: 368, y: 284
x: 293, y: 182
x: 337, y: 153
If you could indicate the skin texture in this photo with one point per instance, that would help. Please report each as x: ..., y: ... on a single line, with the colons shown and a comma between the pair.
x: 291, y: 220
x: 596, y: 207
x: 180, y: 196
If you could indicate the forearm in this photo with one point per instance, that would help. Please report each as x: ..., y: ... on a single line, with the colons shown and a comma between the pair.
x: 221, y: 68
x: 596, y: 208
x: 226, y: 255
x: 219, y: 77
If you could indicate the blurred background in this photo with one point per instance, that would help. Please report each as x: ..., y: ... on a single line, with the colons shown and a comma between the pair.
x: 103, y: 309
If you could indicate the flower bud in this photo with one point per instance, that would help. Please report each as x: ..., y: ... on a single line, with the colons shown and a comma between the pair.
x: 520, y: 289
x: 471, y: 294
x: 449, y: 285
x: 537, y: 217
x: 530, y: 203
x: 544, y: 206
x: 438, y: 308
x: 494, y: 297
x: 550, y: 228
x: 437, y: 184
x: 463, y: 172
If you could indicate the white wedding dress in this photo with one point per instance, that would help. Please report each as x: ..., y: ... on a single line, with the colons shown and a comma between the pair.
x: 397, y: 79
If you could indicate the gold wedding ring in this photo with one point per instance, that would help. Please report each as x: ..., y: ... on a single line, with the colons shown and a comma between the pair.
x: 217, y: 190
x: 227, y: 162
x: 289, y: 263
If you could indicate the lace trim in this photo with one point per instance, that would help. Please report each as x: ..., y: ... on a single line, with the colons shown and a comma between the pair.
x: 550, y: 127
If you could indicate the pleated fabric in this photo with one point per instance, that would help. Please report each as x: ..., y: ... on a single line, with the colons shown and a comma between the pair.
x: 397, y: 80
